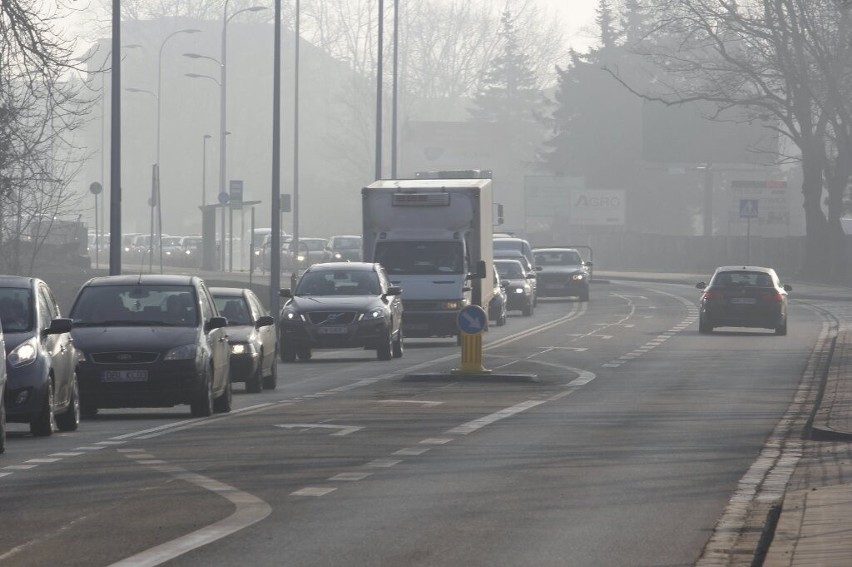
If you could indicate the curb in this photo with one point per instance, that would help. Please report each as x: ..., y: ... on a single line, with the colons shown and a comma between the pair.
x: 449, y: 377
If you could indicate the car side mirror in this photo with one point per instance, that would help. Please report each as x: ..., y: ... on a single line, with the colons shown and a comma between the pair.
x: 59, y: 326
x: 264, y: 321
x: 285, y: 292
x: 216, y: 323
x: 701, y: 285
x: 590, y: 264
x: 394, y: 290
x: 504, y: 284
x: 788, y: 287
x: 531, y: 276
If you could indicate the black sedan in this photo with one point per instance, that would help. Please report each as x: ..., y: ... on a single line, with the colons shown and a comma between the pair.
x: 341, y: 305
x: 41, y: 386
x: 562, y: 272
x: 743, y: 296
x: 518, y: 284
x: 251, y: 334
x: 150, y: 341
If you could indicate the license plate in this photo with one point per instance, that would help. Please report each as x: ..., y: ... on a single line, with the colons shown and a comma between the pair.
x: 125, y: 376
x: 743, y: 300
x: 332, y: 330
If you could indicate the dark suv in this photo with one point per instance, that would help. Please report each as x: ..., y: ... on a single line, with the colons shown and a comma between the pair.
x: 150, y: 341
x: 42, y: 388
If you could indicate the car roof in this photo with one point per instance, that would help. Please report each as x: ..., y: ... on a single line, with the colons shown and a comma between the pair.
x: 143, y: 279
x: 511, y: 239
x: 17, y: 281
x: 228, y: 291
x: 346, y: 236
x: 557, y: 249
x: 508, y: 261
x: 355, y: 266
x: 745, y: 269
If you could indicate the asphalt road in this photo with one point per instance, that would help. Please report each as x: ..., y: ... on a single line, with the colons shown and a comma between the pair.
x: 626, y: 449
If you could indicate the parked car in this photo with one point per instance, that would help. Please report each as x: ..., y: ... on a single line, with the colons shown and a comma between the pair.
x: 743, y: 296
x: 150, y: 341
x: 519, y: 287
x: 342, y: 248
x: 498, y: 305
x: 251, y: 334
x: 41, y: 387
x: 561, y: 272
x: 341, y: 305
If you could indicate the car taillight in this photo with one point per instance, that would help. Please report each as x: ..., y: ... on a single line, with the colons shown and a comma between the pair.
x: 772, y: 296
x: 708, y: 296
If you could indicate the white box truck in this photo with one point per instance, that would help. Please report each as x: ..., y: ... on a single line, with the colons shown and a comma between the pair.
x: 433, y: 237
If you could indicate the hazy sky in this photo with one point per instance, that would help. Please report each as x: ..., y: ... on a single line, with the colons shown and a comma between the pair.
x: 577, y: 14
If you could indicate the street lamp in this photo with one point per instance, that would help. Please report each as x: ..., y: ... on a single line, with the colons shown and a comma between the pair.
x: 223, y: 87
x: 159, y: 117
x: 204, y: 170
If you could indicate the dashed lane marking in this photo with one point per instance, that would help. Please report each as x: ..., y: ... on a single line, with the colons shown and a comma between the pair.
x: 313, y: 491
x: 351, y: 476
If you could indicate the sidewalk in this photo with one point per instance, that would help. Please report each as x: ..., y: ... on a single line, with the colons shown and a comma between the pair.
x: 814, y: 528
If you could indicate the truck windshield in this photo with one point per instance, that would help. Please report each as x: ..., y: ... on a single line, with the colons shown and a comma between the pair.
x: 421, y: 257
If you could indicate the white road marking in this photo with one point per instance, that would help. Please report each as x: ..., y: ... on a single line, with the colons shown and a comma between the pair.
x: 424, y: 403
x: 383, y: 463
x: 4, y: 474
x: 110, y: 442
x: 340, y: 430
x: 313, y: 491
x: 249, y: 510
x: 19, y: 467
x: 411, y: 452
x: 42, y: 461
x: 67, y: 454
x: 476, y: 424
x: 90, y: 448
x: 351, y: 476
x: 436, y: 441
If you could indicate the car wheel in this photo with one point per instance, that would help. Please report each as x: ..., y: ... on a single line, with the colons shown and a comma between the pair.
x: 69, y: 420
x: 2, y: 428
x: 304, y: 353
x: 202, y: 402
x: 385, y: 348
x: 781, y: 329
x: 254, y: 385
x: 288, y: 353
x: 271, y: 382
x: 223, y: 403
x: 527, y: 311
x: 584, y: 296
x: 88, y: 410
x: 501, y: 320
x: 399, y: 345
x: 44, y: 423
x: 704, y: 327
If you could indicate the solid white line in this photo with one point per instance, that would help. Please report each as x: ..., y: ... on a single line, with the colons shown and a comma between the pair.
x: 249, y: 510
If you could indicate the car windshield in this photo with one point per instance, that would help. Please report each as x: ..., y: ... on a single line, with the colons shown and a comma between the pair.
x: 421, y: 257
x: 339, y: 282
x: 558, y: 258
x: 508, y: 245
x: 344, y: 243
x: 234, y: 309
x: 171, y: 241
x: 16, y: 311
x: 117, y: 305
x: 509, y: 270
x: 742, y: 279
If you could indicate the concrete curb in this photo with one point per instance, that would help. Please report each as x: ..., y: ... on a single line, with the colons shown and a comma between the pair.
x: 449, y: 377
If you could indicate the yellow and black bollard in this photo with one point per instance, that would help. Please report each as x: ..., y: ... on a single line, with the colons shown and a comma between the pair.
x: 471, y: 322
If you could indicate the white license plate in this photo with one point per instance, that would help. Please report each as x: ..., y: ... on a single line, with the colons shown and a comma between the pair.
x: 124, y: 376
x: 332, y: 330
x: 743, y: 300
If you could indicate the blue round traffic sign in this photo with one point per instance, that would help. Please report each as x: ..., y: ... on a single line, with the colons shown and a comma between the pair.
x: 224, y: 198
x: 472, y: 319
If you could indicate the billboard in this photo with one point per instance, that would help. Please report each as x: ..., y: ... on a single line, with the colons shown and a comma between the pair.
x: 568, y: 200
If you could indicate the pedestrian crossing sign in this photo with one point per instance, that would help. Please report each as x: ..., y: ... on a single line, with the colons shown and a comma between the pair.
x: 748, y: 208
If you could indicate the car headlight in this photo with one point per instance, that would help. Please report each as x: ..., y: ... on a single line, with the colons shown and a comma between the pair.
x: 293, y: 316
x: 338, y: 255
x: 242, y: 348
x: 23, y: 354
x: 578, y: 277
x: 458, y: 304
x: 369, y: 315
x: 518, y: 290
x: 184, y: 352
x: 300, y: 258
x: 81, y: 356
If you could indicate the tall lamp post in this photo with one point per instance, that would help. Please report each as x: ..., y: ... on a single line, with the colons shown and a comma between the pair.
x: 204, y: 169
x: 157, y: 197
x: 223, y: 86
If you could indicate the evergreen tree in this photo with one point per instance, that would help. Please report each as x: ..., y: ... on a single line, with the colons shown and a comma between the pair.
x: 507, y: 94
x: 606, y: 24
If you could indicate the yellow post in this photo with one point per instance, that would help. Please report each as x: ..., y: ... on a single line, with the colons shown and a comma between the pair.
x: 471, y: 355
